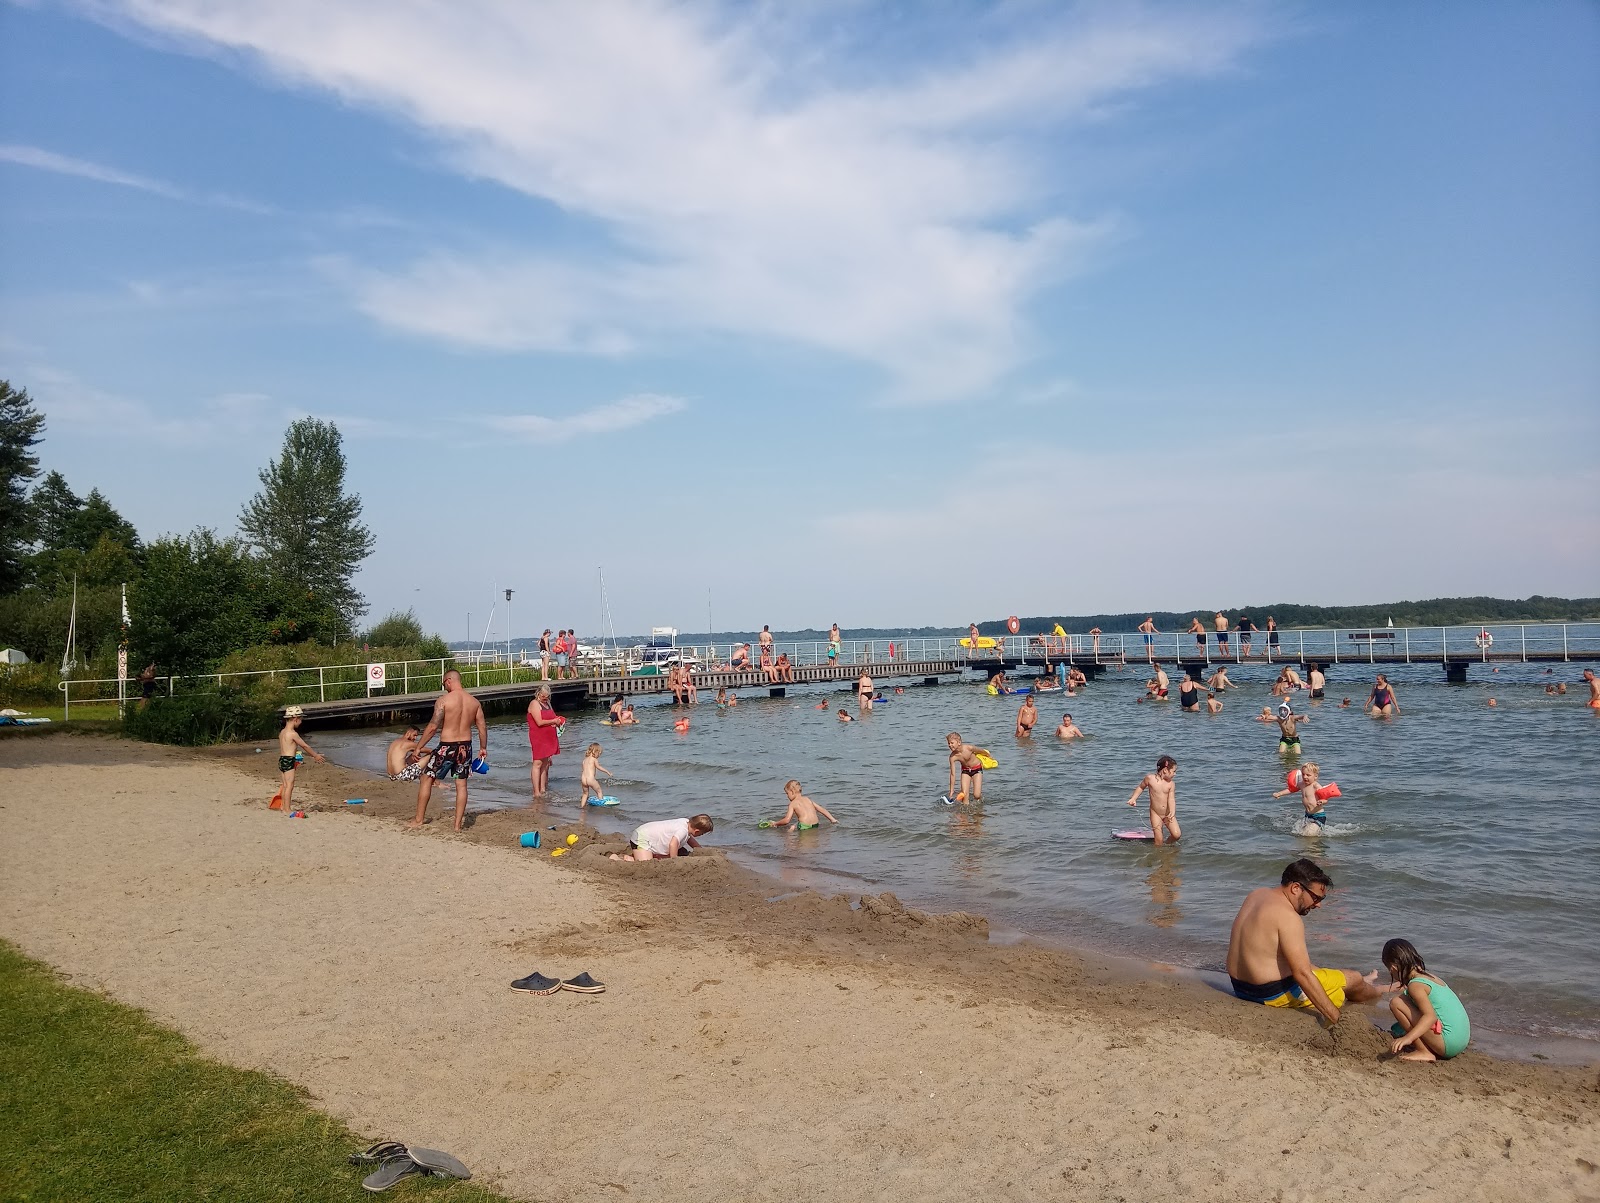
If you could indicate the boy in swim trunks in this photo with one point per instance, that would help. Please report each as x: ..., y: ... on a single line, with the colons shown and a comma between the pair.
x: 288, y: 742
x: 1027, y: 717
x: 1213, y: 706
x: 1163, y: 798
x: 1318, y: 682
x: 405, y: 757
x: 802, y: 813
x: 1315, y: 811
x: 1068, y: 729
x: 964, y: 763
x: 1288, y: 729
x: 1593, y: 683
x: 1267, y: 958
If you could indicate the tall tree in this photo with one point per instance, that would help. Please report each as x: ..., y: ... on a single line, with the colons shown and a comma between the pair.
x: 21, y: 427
x: 305, y: 525
x: 54, y: 506
x: 97, y: 519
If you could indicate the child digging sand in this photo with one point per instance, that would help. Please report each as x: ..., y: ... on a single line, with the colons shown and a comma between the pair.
x: 288, y: 741
x: 587, y: 778
x: 662, y: 840
x: 802, y: 813
x: 1430, y: 1022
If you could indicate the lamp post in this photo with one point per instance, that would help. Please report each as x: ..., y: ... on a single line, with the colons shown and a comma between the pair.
x: 509, y: 666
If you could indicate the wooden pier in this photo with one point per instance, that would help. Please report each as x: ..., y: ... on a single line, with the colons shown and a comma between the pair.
x: 568, y: 694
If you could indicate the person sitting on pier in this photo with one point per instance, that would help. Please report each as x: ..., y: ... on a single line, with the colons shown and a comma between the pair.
x: 768, y: 668
x: 785, y: 669
x: 741, y: 658
x: 686, y: 683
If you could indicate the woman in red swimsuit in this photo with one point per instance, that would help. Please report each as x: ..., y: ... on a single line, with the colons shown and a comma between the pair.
x: 543, y: 740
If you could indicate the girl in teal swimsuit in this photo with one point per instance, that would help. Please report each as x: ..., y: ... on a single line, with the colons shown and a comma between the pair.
x: 1430, y: 1022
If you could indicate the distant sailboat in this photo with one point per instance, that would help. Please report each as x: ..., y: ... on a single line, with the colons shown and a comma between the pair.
x: 69, y: 656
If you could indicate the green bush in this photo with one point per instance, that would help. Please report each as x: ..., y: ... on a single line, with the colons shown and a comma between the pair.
x: 202, y: 718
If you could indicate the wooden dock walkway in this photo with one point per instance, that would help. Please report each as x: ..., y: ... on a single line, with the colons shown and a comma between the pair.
x: 389, y: 708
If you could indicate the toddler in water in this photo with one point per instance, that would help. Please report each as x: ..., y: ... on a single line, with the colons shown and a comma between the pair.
x: 1316, y: 812
x: 802, y: 813
x: 1430, y: 1022
x: 1163, y: 799
x: 587, y: 779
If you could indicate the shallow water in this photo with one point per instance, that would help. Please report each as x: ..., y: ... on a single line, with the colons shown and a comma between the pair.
x: 1463, y: 828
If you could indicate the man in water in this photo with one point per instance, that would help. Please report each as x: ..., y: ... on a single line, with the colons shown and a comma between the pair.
x: 1027, y: 717
x: 1590, y: 680
x: 1318, y: 682
x: 455, y: 714
x: 1267, y: 958
x: 405, y: 757
x: 1158, y: 687
x: 1219, y: 680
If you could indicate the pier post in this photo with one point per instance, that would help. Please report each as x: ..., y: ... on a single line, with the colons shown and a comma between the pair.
x: 930, y: 680
x: 1455, y: 672
x: 776, y: 693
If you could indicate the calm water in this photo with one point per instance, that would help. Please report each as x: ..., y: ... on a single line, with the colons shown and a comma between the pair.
x: 1470, y: 831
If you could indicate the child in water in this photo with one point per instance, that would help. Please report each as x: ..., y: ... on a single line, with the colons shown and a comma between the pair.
x: 1316, y: 812
x: 1288, y: 729
x: 844, y: 716
x: 587, y: 778
x: 1430, y: 1022
x: 1163, y: 798
x: 802, y: 813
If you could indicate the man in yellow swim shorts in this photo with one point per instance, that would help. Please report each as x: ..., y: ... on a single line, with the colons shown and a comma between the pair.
x: 1267, y: 958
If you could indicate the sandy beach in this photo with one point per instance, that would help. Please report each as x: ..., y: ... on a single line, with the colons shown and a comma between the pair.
x: 800, y: 1048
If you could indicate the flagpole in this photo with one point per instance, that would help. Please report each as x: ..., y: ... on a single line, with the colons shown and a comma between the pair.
x: 122, y: 657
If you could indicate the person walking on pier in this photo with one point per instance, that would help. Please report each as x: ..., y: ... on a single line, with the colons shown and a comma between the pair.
x: 1222, y: 633
x: 455, y: 715
x: 1198, y: 630
x: 1272, y: 637
x: 1246, y: 628
x: 1147, y: 628
x: 834, y: 643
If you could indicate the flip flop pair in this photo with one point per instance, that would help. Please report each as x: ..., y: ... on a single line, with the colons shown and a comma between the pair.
x: 397, y: 1162
x: 537, y: 983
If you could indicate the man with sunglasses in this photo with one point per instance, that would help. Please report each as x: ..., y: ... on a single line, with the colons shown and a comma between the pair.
x: 1267, y: 958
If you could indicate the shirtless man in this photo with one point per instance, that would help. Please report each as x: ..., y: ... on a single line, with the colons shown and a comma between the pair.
x: 765, y: 639
x: 1158, y: 687
x: 1593, y: 683
x: 1222, y: 633
x: 1317, y: 681
x: 1267, y: 958
x: 741, y: 658
x: 1094, y: 634
x: 864, y: 690
x: 455, y: 714
x: 1027, y: 717
x: 1198, y: 630
x: 1147, y: 628
x: 1163, y: 798
x: 405, y: 757
x: 964, y: 763
x: 1219, y: 680
x: 1068, y: 729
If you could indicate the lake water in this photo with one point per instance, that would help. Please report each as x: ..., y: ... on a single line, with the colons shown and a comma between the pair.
x: 1469, y: 830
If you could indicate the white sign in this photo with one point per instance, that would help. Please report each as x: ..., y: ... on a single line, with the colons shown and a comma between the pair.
x: 377, y: 676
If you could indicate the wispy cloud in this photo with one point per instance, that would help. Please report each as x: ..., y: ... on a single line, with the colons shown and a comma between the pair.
x: 48, y: 160
x: 750, y: 170
x: 68, y: 401
x: 602, y: 419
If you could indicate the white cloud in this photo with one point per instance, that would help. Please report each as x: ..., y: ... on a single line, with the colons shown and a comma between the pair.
x: 47, y: 160
x: 602, y: 419
x: 750, y: 175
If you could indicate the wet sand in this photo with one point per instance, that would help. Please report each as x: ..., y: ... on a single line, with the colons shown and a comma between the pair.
x: 745, y: 1048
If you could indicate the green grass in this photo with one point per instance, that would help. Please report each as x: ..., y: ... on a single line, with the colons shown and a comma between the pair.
x: 101, y: 1103
x: 81, y: 711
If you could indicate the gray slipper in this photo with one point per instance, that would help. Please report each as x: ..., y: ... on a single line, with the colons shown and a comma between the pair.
x: 438, y: 1163
x: 377, y: 1154
x: 583, y: 984
x: 390, y: 1172
x: 537, y: 983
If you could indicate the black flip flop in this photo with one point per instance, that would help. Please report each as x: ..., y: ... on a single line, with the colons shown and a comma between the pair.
x: 537, y: 983
x: 435, y: 1162
x: 390, y: 1172
x: 583, y: 984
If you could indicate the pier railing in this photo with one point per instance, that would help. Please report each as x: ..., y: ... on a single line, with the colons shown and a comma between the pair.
x: 1494, y: 642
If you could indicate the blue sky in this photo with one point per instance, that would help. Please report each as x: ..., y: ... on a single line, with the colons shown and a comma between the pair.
x: 882, y: 314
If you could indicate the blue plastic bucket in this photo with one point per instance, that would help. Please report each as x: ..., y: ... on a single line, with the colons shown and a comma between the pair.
x: 529, y: 839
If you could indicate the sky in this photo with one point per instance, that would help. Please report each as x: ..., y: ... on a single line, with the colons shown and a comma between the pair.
x: 879, y: 314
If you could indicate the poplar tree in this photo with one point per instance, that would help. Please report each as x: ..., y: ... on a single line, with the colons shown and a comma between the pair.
x: 305, y: 526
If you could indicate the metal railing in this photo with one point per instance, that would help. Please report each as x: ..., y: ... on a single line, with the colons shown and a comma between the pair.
x: 1499, y: 642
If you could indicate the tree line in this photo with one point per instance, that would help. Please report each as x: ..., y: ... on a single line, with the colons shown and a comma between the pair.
x: 284, y: 577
